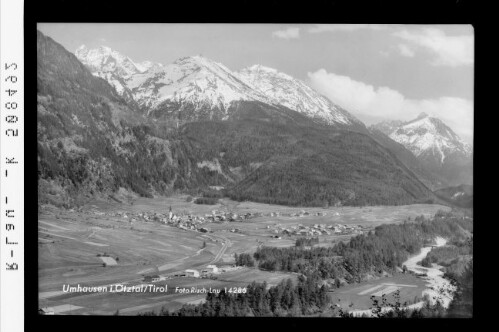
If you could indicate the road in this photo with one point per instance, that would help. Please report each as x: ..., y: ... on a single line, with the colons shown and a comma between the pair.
x: 227, y: 243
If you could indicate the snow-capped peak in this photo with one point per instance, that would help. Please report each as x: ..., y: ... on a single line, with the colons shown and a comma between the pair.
x: 428, y: 135
x: 204, y: 84
x: 148, y: 65
x: 105, y: 60
x: 262, y: 68
x: 296, y: 95
x: 81, y: 49
x: 199, y: 63
x: 422, y: 115
x: 194, y: 80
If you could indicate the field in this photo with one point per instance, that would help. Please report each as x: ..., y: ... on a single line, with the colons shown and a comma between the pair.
x: 92, y: 247
x: 131, y: 303
x: 358, y: 296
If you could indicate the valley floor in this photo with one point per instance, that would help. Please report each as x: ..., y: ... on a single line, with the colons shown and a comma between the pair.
x: 96, y: 246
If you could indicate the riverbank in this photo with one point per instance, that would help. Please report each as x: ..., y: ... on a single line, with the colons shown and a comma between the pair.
x: 438, y: 288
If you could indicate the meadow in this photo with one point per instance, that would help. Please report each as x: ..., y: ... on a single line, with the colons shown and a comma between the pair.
x: 358, y: 296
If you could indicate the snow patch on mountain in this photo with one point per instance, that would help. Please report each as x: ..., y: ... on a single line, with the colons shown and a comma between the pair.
x: 104, y: 59
x: 458, y: 194
x: 205, y: 84
x: 295, y: 94
x: 429, y: 135
x: 194, y: 80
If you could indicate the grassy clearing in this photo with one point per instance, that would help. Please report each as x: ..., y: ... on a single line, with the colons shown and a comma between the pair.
x: 358, y: 296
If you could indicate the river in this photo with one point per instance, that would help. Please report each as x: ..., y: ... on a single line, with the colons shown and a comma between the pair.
x: 439, y: 288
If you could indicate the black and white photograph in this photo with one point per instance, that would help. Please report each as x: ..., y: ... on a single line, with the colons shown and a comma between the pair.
x: 255, y: 170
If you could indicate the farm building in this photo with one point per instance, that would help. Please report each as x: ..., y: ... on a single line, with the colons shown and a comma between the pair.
x: 210, y: 269
x: 192, y: 273
x: 213, y: 268
x: 152, y: 278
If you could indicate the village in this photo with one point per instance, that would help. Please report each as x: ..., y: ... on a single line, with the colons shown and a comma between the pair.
x: 198, y: 223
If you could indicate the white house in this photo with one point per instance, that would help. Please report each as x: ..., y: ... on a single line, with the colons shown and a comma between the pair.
x: 192, y: 273
x: 211, y: 269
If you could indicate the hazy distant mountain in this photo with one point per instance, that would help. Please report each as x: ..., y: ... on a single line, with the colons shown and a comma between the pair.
x: 435, y: 145
x: 429, y: 136
x: 388, y: 127
x: 461, y: 195
x: 430, y: 179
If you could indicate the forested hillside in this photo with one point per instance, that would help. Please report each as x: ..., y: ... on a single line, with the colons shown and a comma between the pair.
x: 91, y: 142
x: 279, y: 156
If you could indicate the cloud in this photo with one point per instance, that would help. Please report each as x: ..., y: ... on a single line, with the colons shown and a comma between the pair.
x: 289, y: 33
x: 383, y: 102
x: 447, y: 50
x: 318, y: 28
x: 405, y: 50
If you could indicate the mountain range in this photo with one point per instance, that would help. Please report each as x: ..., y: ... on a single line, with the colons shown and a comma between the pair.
x: 109, y: 125
x: 196, y: 88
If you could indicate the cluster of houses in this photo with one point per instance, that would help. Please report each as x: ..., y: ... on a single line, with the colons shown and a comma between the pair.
x: 192, y: 222
x: 197, y: 223
x: 206, y: 272
x: 139, y: 216
x: 318, y: 229
x: 189, y: 221
x: 304, y: 213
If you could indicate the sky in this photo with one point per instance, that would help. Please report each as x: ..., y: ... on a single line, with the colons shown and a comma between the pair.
x: 376, y: 72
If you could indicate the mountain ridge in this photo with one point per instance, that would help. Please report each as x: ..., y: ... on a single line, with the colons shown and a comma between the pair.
x: 199, y: 84
x: 435, y: 144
